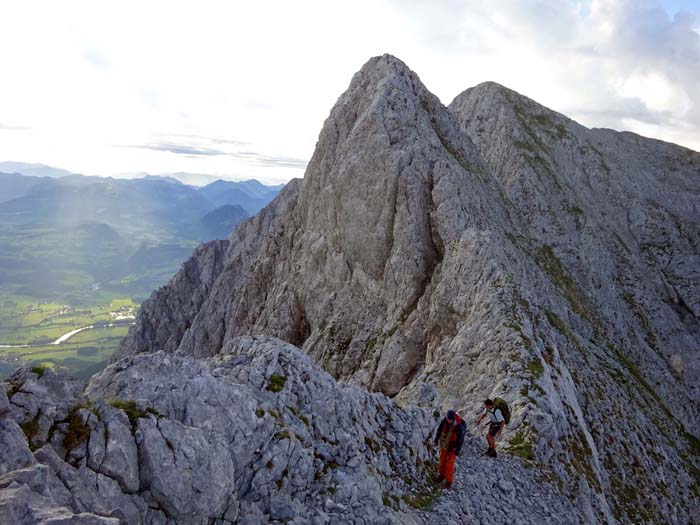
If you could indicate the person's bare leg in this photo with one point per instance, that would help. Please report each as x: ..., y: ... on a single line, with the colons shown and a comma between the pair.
x: 491, y: 441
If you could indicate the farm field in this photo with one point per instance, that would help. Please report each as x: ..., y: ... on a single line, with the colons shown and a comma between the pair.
x: 33, y: 328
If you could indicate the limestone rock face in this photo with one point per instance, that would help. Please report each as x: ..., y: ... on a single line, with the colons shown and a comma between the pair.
x: 15, y: 454
x: 168, y: 313
x: 612, y: 220
x: 495, y: 248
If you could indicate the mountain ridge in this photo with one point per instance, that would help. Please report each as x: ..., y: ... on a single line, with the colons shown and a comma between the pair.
x: 496, y: 248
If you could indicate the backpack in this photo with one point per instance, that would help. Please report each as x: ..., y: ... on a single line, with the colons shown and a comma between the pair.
x: 463, y: 433
x: 501, y: 405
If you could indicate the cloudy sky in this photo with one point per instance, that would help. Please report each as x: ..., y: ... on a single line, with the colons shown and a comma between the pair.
x: 241, y: 89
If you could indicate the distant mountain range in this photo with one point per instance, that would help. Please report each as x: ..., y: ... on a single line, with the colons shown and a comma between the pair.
x: 32, y: 169
x: 220, y: 222
x: 192, y: 179
x: 181, y: 177
x: 124, y: 233
x: 19, y: 179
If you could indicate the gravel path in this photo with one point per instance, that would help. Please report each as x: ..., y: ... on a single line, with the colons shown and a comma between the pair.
x: 502, y: 490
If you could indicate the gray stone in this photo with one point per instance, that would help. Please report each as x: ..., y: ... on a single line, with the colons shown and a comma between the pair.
x: 113, y: 451
x: 4, y: 403
x: 39, y: 401
x: 81, y: 519
x: 321, y: 518
x: 214, y: 440
x: 21, y: 505
x: 282, y: 509
x: 187, y: 472
x: 14, y: 452
x: 506, y: 486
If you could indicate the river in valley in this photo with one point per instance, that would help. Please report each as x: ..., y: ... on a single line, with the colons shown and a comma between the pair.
x: 65, y: 337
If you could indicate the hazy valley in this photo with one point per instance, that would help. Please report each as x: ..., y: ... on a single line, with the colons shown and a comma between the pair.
x: 96, y: 245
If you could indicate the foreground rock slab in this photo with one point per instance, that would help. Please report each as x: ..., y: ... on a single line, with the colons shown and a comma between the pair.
x: 257, y: 434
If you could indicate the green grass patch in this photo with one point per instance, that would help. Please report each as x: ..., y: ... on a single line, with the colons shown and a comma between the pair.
x: 559, y: 325
x: 31, y: 429
x: 132, y: 411
x: 536, y: 368
x: 578, y: 214
x: 546, y: 259
x: 371, y: 343
x: 580, y: 459
x: 650, y: 335
x: 640, y: 380
x: 693, y: 441
x: 386, y: 500
x: 77, y: 432
x: 574, y: 210
x: 521, y: 446
x: 283, y: 434
x: 422, y: 501
x: 425, y: 498
x: 276, y: 383
x: 372, y: 445
x: 39, y: 370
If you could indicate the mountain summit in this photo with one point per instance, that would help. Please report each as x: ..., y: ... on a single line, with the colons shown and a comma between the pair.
x: 440, y: 256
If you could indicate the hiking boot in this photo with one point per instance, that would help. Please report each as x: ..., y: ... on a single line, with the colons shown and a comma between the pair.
x: 448, y: 485
x: 439, y: 479
x: 491, y: 452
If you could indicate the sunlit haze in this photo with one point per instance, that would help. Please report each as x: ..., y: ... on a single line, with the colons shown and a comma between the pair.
x: 241, y: 89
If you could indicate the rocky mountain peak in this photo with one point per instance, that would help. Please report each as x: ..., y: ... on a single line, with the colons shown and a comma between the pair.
x: 384, y: 199
x: 387, y: 110
x: 505, y: 124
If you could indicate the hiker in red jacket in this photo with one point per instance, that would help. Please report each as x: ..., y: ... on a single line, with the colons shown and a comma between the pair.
x: 450, y: 437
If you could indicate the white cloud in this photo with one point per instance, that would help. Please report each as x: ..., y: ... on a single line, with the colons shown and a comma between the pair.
x: 88, y: 78
x: 626, y: 64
